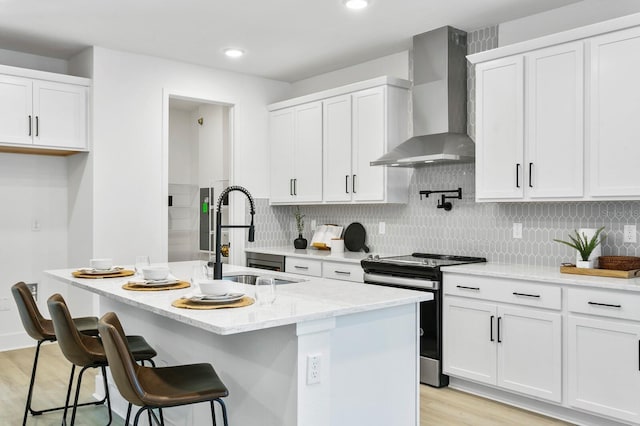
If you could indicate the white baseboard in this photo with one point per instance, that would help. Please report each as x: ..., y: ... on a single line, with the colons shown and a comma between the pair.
x: 19, y: 340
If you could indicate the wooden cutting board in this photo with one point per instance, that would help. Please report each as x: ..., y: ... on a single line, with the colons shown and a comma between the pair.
x: 600, y: 272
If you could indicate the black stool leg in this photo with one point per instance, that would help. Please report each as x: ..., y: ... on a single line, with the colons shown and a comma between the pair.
x: 106, y: 393
x: 66, y: 402
x: 126, y: 421
x: 224, y: 411
x: 27, y: 407
x: 213, y: 412
x: 137, y: 417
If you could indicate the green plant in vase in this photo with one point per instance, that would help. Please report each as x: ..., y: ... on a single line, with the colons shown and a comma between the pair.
x: 299, y: 243
x: 584, y: 245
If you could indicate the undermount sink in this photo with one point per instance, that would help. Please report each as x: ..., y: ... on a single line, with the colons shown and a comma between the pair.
x: 251, y: 279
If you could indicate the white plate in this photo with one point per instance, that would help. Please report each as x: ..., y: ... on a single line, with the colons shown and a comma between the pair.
x: 93, y: 271
x: 154, y: 283
x: 225, y: 298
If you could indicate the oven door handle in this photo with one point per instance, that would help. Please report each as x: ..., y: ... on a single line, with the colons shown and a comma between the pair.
x: 406, y: 282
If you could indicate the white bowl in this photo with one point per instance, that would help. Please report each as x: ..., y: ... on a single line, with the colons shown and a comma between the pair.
x: 155, y: 272
x: 214, y: 287
x: 102, y: 264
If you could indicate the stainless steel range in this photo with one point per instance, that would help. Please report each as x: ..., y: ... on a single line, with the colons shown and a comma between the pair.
x: 420, y: 271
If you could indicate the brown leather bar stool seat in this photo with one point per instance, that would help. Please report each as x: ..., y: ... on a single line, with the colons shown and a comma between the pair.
x: 41, y: 330
x: 152, y: 387
x: 87, y: 351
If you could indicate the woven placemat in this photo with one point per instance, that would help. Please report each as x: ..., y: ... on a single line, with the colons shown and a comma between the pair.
x: 120, y: 274
x: 141, y: 287
x: 187, y: 304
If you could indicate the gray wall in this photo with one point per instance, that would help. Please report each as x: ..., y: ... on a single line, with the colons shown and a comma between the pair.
x: 474, y: 229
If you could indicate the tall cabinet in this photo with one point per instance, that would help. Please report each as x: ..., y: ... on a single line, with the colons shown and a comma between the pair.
x: 349, y: 127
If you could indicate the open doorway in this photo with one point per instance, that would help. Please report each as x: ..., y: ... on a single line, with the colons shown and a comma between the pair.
x: 199, y: 158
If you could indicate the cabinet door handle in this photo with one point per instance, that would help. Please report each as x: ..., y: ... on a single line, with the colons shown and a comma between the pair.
x: 346, y: 184
x: 530, y: 167
x: 491, y: 328
x: 525, y: 294
x: 290, y: 186
x: 353, y: 184
x: 464, y: 287
x: 499, y: 337
x: 342, y: 272
x: 29, y: 125
x: 37, y: 125
x: 638, y: 355
x: 304, y: 268
x: 517, y: 175
x: 295, y: 186
x: 605, y: 304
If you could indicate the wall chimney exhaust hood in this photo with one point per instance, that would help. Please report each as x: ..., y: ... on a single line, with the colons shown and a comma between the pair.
x: 439, y: 98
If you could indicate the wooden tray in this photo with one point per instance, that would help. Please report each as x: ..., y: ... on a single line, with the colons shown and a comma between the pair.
x: 612, y: 273
x: 141, y: 287
x: 187, y: 304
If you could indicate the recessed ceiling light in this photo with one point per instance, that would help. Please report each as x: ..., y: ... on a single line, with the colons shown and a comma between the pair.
x: 356, y: 4
x: 233, y: 52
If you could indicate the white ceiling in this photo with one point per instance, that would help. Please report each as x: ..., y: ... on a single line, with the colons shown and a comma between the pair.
x: 285, y: 40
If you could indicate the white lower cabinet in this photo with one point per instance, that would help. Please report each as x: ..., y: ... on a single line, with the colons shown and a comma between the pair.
x: 297, y: 265
x: 514, y: 348
x: 604, y: 354
x: 504, y: 333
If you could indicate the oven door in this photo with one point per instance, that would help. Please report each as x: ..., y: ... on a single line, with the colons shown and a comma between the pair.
x: 430, y: 324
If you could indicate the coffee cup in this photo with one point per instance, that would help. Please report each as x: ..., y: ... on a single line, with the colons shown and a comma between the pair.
x: 101, y: 264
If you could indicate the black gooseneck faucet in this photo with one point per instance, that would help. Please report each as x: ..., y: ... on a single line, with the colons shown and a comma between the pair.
x: 217, y: 267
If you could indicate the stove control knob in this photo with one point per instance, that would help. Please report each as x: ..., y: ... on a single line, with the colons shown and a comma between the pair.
x: 376, y: 257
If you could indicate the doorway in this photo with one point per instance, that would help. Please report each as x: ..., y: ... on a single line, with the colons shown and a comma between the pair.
x: 199, y: 158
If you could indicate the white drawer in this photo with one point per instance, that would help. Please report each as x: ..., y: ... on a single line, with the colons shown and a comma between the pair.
x: 309, y: 267
x: 518, y: 292
x: 343, y: 271
x: 607, y: 303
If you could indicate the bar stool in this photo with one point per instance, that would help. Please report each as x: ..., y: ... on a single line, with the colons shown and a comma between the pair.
x: 152, y: 387
x: 87, y: 351
x: 41, y: 330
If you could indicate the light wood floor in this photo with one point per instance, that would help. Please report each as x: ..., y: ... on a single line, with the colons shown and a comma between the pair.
x: 439, y: 407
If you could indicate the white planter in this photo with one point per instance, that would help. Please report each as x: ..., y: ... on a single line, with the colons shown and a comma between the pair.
x: 596, y: 253
x: 585, y: 263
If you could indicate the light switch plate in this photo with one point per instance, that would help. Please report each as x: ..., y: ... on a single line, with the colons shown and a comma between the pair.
x: 517, y: 230
x: 382, y: 228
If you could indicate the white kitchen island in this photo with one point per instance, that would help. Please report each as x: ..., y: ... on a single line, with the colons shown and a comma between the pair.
x: 366, y: 337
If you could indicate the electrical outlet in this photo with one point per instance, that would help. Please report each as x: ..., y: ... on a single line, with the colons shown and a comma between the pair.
x: 313, y: 369
x: 382, y: 228
x: 517, y: 230
x: 630, y: 234
x: 35, y: 226
x: 33, y: 287
x: 313, y: 224
x: 4, y: 304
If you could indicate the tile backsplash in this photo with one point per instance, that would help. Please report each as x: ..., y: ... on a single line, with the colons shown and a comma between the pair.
x: 470, y: 228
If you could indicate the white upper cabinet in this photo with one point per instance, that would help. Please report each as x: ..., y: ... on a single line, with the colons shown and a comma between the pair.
x: 554, y: 122
x: 614, y: 127
x: 352, y: 128
x: 15, y: 110
x: 499, y: 129
x: 61, y: 115
x: 577, y: 120
x: 296, y: 154
x: 337, y: 173
x: 529, y: 136
x: 42, y: 116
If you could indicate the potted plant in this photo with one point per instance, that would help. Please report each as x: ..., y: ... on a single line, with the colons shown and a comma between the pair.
x: 299, y: 243
x: 585, y: 246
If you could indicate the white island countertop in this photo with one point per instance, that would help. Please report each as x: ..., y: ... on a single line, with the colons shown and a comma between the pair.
x: 312, y: 299
x: 543, y: 274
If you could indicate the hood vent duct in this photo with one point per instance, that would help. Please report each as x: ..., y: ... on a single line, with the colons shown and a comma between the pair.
x: 439, y: 98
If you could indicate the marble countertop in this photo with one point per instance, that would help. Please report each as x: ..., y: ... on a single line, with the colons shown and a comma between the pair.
x: 310, y: 253
x: 312, y: 299
x: 543, y: 274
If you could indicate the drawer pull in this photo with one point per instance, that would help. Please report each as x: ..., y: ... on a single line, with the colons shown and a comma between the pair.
x: 301, y: 267
x: 464, y: 287
x: 605, y: 304
x: 499, y: 321
x: 342, y: 272
x: 525, y: 294
x: 491, y: 328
